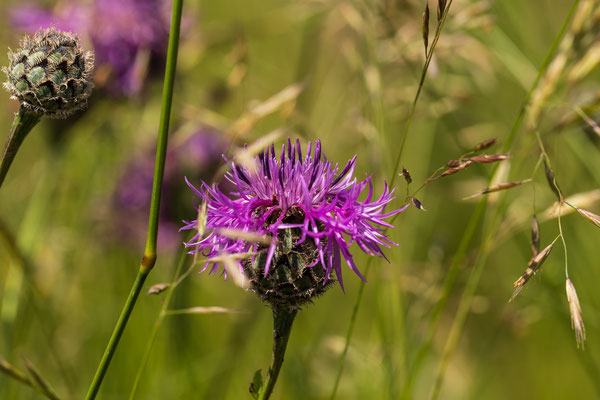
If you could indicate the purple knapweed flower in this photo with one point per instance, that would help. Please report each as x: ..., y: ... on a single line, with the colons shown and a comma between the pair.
x: 126, y: 35
x: 313, y: 214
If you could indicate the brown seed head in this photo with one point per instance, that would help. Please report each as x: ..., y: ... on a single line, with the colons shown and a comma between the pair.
x: 535, y: 237
x: 575, y: 310
x: 489, y: 158
x: 552, y: 182
x: 590, y: 216
x: 406, y: 176
x: 532, y: 267
x: 415, y: 202
x: 484, y: 145
x: 425, y: 27
x: 452, y: 171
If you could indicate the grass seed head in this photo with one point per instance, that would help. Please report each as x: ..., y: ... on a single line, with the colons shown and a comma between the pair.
x: 590, y: 216
x: 575, y: 310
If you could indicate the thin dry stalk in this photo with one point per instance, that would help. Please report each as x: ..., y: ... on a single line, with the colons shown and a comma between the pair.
x: 249, y: 237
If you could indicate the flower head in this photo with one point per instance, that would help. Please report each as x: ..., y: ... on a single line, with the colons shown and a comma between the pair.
x: 50, y: 73
x: 312, y: 213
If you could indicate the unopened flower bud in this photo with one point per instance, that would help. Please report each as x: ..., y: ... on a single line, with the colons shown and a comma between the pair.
x: 50, y: 74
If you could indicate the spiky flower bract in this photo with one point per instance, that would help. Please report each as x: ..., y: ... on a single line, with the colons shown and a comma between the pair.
x: 312, y: 213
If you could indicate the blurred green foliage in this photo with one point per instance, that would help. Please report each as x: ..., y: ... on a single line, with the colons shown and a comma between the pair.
x: 61, y: 292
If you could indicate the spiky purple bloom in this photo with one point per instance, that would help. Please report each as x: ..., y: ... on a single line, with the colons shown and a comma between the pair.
x: 125, y: 34
x: 295, y: 192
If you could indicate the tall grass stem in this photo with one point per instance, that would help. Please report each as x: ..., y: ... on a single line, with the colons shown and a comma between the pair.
x: 405, y: 131
x: 149, y: 257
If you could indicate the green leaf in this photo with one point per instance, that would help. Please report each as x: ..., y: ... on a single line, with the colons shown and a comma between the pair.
x: 256, y: 386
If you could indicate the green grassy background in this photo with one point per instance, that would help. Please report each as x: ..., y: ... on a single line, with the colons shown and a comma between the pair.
x: 361, y: 72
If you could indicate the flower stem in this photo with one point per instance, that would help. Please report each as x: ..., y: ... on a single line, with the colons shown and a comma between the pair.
x: 283, y: 318
x: 23, y: 123
x: 149, y: 257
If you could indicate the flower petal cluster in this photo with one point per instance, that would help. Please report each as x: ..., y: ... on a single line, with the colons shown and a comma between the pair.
x: 333, y: 216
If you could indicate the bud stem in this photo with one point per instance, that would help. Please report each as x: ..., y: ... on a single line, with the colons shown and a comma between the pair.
x: 23, y: 123
x: 283, y: 318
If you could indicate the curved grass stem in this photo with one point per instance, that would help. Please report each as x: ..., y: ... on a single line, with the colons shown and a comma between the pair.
x: 405, y: 131
x: 489, y: 228
x: 149, y: 258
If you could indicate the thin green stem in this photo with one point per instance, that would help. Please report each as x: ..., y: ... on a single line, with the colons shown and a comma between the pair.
x: 163, y: 131
x: 283, y: 318
x: 19, y: 376
x: 23, y: 123
x: 149, y: 257
x: 545, y: 156
x: 392, y: 180
x: 428, y: 59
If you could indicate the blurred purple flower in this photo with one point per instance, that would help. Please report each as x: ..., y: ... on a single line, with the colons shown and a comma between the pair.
x: 125, y: 34
x: 295, y: 192
x: 198, y: 155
